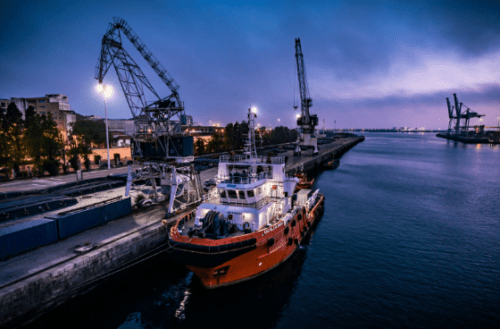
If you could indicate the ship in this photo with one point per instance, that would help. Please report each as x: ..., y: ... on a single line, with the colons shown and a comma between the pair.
x: 303, y: 183
x: 332, y: 164
x: 249, y: 224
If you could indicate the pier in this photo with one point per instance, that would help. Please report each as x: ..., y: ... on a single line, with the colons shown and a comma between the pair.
x: 34, y: 282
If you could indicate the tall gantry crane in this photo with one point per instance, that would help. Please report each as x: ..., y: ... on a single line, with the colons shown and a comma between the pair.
x: 306, y: 122
x: 158, y: 139
x: 158, y: 123
x: 459, y: 121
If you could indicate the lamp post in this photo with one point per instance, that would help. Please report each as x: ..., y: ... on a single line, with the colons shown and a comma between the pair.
x: 106, y: 91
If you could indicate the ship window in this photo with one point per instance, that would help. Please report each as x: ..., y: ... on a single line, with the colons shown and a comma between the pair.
x: 250, y: 194
x: 222, y: 193
x: 232, y: 194
x: 241, y: 194
x: 259, y: 191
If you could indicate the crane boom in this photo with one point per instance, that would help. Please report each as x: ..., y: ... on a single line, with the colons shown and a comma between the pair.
x: 306, y: 101
x: 131, y: 77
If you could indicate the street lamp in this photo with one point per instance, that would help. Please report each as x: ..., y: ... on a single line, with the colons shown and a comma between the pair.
x: 106, y: 91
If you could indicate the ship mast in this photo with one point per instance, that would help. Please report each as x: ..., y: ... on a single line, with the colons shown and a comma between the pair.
x: 250, y: 149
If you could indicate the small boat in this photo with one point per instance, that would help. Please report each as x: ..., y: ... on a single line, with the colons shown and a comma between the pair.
x: 303, y: 183
x: 250, y: 223
x: 332, y: 164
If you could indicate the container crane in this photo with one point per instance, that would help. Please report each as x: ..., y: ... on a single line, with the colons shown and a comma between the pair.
x: 158, y: 139
x: 306, y: 122
x: 459, y: 121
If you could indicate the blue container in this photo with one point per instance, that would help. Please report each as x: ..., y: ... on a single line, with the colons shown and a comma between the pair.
x: 79, y: 221
x: 117, y: 209
x: 20, y: 238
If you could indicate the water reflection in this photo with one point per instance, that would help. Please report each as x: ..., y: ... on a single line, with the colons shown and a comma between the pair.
x: 257, y: 303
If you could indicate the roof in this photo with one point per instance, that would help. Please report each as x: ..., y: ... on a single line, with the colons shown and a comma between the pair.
x: 304, y: 191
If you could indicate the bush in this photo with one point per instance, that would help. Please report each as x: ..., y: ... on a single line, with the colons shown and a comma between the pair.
x: 97, y: 158
x: 86, y: 163
x: 51, y: 166
x: 73, y: 162
x: 22, y: 174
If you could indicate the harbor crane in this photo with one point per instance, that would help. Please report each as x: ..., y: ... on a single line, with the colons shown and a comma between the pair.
x: 158, y: 142
x: 306, y: 122
x: 459, y: 121
x: 158, y: 132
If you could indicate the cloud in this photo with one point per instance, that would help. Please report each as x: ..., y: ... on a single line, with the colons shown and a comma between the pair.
x: 413, y: 72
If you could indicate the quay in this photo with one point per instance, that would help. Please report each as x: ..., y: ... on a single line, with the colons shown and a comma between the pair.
x: 35, y: 282
x: 475, y: 139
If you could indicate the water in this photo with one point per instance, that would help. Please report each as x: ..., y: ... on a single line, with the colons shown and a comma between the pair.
x: 410, y: 238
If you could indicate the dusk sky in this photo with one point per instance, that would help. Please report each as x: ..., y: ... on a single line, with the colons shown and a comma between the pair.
x: 369, y: 64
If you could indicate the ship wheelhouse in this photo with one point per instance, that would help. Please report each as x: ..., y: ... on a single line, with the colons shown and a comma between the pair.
x: 251, y: 192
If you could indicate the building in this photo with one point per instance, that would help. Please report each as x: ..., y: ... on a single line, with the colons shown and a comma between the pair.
x: 58, y: 106
x: 124, y: 126
x: 186, y: 120
x: 4, y: 103
x: 21, y: 104
x: 202, y: 132
x: 55, y: 104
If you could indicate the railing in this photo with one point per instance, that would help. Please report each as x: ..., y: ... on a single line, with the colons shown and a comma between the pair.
x: 215, y: 199
x: 244, y: 179
x: 261, y: 159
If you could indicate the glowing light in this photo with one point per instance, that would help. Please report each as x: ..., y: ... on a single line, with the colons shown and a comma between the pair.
x: 298, y: 115
x: 254, y: 110
x: 105, y: 90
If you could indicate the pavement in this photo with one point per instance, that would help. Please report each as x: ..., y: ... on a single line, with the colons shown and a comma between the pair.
x: 24, y: 185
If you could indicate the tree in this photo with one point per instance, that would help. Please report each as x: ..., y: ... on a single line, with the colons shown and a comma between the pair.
x: 91, y: 132
x: 215, y: 144
x: 44, y: 143
x: 11, y: 149
x: 199, y: 146
x: 29, y: 115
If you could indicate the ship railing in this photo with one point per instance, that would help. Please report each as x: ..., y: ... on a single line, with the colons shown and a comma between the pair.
x: 312, y: 200
x: 243, y: 179
x: 237, y: 202
x: 243, y: 158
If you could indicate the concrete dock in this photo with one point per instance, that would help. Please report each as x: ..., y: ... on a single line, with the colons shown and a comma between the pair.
x: 37, y: 281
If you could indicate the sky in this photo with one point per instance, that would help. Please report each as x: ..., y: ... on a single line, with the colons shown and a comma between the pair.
x: 369, y: 64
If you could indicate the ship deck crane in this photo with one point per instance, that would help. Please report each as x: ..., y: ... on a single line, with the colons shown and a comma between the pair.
x: 306, y: 122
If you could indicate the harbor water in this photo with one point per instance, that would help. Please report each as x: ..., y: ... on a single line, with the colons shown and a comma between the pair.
x: 410, y: 237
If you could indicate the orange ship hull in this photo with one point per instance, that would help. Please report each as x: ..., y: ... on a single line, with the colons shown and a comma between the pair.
x: 227, y: 261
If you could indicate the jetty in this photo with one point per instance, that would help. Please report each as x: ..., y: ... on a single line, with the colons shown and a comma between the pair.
x: 81, y: 243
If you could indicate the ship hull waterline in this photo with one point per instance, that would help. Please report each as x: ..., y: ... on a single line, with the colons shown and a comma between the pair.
x: 222, y: 262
